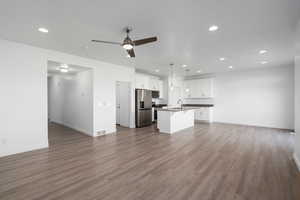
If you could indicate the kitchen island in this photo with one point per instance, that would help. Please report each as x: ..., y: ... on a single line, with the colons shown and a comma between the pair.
x: 171, y: 120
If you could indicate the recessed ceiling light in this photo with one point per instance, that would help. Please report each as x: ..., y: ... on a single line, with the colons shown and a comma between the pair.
x: 263, y: 51
x: 157, y: 70
x: 65, y: 66
x: 43, y: 30
x: 213, y: 28
x: 128, y: 56
x: 64, y: 70
x: 230, y: 67
x: 263, y: 62
x: 199, y: 71
x: 222, y: 59
x: 184, y: 66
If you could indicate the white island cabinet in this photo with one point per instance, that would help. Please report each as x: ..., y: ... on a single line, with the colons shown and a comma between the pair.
x: 171, y: 120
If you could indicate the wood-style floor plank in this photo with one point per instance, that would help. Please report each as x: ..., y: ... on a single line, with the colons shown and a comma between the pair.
x: 207, y: 162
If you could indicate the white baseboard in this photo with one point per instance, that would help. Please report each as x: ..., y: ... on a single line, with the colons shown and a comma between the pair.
x: 75, y: 128
x: 106, y: 132
x: 255, y: 125
x: 297, y: 160
x: 23, y: 149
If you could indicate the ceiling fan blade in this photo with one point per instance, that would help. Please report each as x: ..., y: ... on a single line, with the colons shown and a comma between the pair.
x: 131, y: 53
x: 107, y: 42
x: 144, y: 41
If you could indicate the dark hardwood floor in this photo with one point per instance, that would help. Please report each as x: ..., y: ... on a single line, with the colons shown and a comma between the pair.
x: 214, y: 161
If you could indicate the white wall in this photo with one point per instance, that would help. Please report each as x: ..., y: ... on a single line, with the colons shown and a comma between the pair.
x: 297, y: 109
x: 261, y: 97
x: 297, y: 98
x: 105, y: 96
x: 23, y: 102
x: 71, y: 101
x: 23, y: 83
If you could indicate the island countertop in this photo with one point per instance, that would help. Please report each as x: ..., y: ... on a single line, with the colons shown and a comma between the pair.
x: 176, y: 109
x: 198, y: 105
x: 185, y: 107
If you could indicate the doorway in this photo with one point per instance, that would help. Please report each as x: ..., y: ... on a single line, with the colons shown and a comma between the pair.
x: 70, y: 101
x: 123, y: 103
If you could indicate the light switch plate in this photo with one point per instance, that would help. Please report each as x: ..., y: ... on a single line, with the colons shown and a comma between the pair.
x: 3, y: 141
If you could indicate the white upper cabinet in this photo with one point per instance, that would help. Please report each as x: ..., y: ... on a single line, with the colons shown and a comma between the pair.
x: 205, y: 88
x: 153, y: 84
x: 187, y: 88
x: 198, y: 88
x: 141, y: 81
x: 161, y: 88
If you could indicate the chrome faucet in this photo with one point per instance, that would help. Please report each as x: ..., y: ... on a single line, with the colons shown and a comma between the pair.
x: 180, y: 102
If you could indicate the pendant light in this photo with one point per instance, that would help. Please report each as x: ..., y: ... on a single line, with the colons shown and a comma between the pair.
x: 172, y: 76
x: 187, y: 89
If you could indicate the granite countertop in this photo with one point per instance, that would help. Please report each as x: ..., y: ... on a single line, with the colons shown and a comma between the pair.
x: 159, y: 105
x: 175, y: 109
x: 185, y: 107
x: 198, y: 105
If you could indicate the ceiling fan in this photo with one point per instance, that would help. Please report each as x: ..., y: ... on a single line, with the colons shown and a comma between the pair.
x: 128, y: 43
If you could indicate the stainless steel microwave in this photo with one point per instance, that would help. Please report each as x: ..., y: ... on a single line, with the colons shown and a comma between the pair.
x: 155, y: 94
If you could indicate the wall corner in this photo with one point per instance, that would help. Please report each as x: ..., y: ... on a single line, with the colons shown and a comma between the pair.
x: 297, y: 160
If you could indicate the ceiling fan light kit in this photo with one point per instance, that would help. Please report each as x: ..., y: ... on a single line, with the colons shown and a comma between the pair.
x: 129, y: 44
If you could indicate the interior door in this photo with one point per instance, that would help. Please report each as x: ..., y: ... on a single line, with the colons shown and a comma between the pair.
x: 124, y: 104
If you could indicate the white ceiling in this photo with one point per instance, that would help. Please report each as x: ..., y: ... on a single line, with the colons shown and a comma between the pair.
x: 245, y: 27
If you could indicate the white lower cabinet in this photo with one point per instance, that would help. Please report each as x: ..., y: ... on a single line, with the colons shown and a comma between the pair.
x: 204, y: 114
x: 153, y: 114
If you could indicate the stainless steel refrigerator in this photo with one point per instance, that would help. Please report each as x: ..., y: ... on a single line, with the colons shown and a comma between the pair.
x: 143, y: 107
